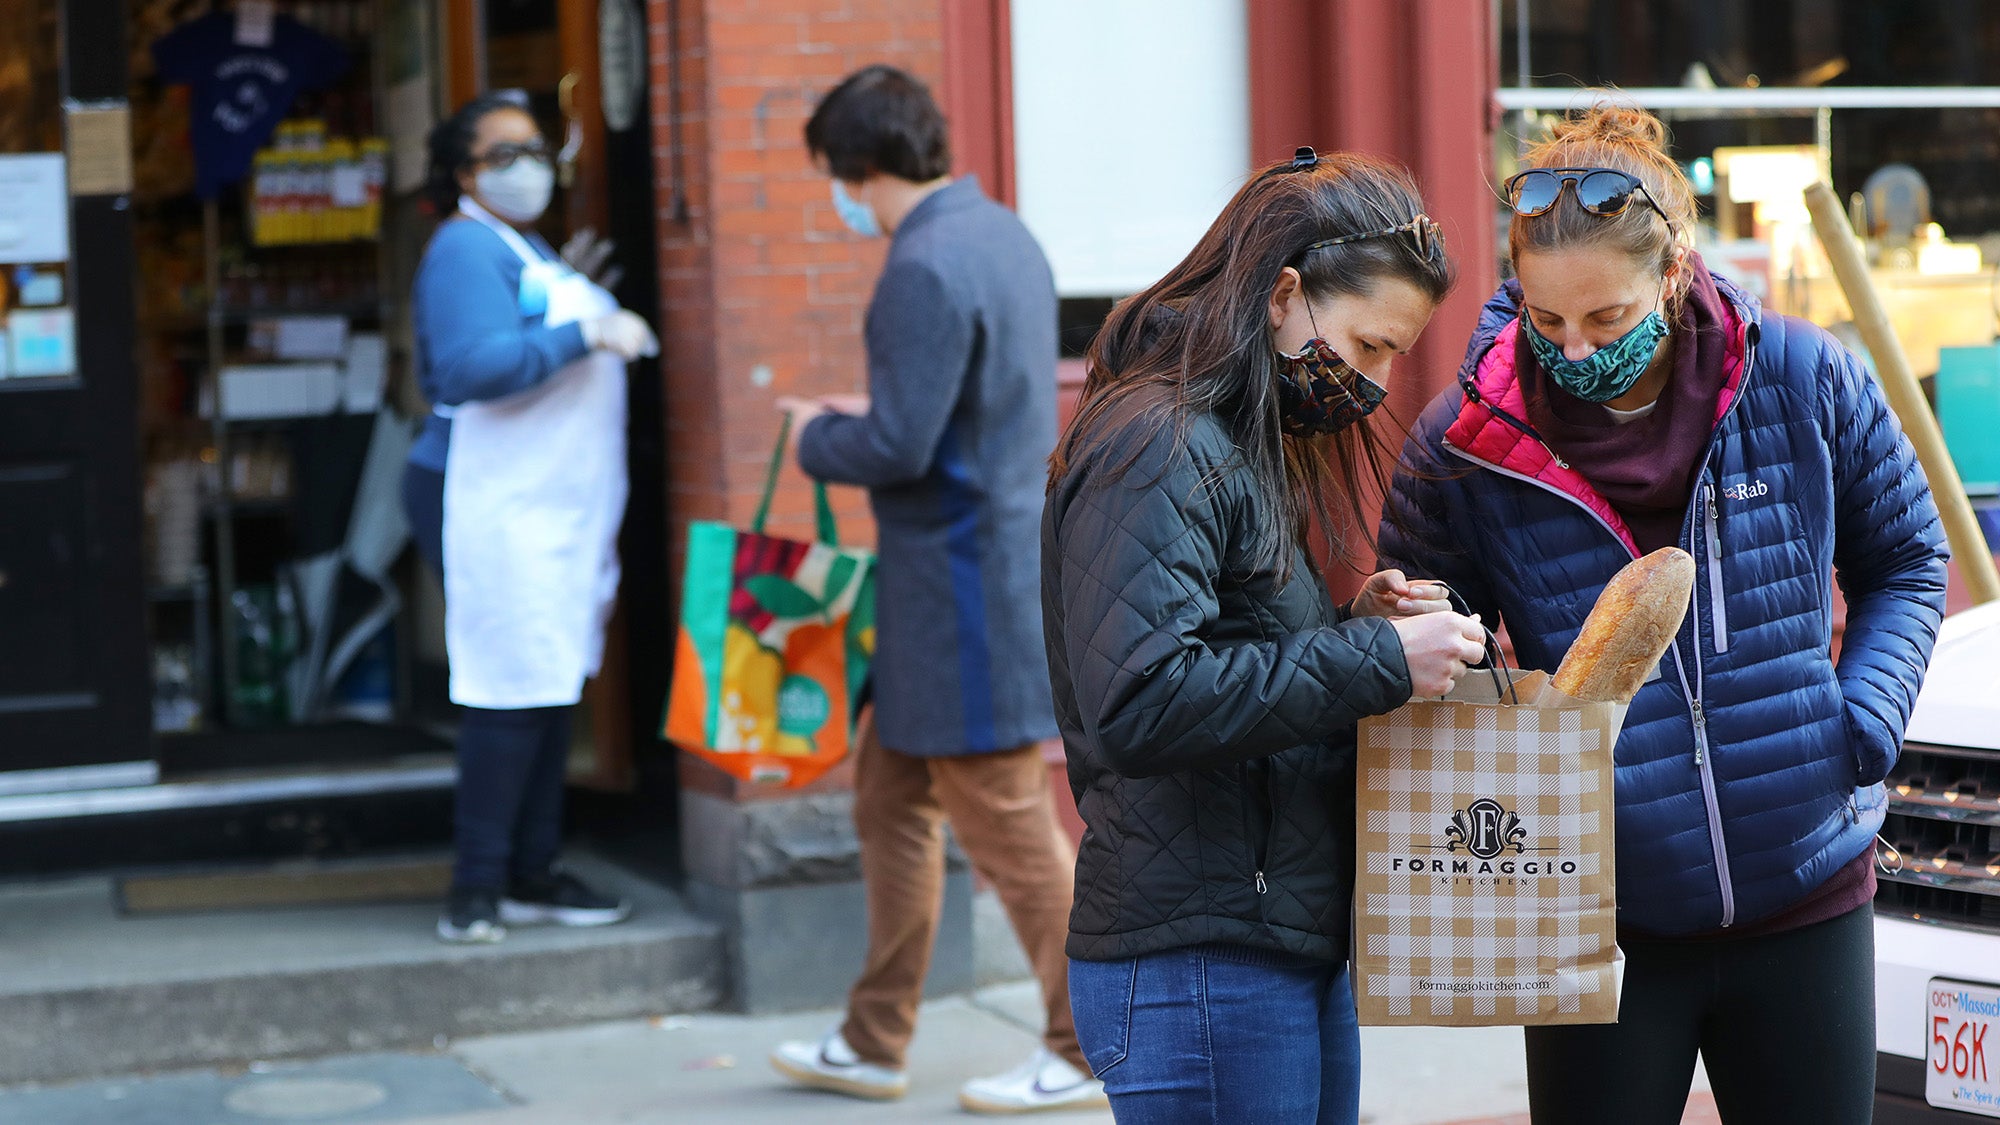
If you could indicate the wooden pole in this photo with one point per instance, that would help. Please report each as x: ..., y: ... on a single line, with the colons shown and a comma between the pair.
x: 1906, y: 398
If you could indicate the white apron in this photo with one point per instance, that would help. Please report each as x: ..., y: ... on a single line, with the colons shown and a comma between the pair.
x: 534, y: 492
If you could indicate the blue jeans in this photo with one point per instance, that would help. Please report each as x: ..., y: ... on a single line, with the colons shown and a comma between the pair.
x: 507, y: 819
x: 1220, y: 1033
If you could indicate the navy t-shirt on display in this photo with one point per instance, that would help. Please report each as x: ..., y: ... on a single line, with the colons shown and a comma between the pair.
x: 241, y: 91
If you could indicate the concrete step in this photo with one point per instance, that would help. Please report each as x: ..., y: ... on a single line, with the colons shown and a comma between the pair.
x: 86, y: 991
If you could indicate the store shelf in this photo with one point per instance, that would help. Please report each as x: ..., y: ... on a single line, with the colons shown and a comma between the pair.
x: 199, y: 322
x: 368, y: 312
x: 290, y: 420
x: 170, y: 594
x: 250, y: 507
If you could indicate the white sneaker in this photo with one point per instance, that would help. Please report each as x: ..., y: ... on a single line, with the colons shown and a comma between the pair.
x: 831, y: 1064
x: 1045, y: 1082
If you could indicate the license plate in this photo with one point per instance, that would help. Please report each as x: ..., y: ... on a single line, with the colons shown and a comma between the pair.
x: 1962, y: 1024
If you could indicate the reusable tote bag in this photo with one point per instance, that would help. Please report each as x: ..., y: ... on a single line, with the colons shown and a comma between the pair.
x: 1483, y: 865
x: 775, y: 640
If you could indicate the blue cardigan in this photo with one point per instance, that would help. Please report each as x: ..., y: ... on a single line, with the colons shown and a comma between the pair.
x: 1751, y: 769
x: 478, y: 336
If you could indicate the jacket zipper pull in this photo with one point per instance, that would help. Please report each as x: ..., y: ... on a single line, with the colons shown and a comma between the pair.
x: 1700, y: 732
x: 1260, y: 882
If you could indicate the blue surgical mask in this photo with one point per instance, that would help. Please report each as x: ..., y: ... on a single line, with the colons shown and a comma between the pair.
x: 1608, y: 373
x: 856, y: 215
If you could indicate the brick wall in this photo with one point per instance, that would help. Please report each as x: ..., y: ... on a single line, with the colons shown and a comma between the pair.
x: 762, y: 289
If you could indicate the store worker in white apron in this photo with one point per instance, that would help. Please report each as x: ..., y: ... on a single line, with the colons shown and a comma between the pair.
x: 515, y: 489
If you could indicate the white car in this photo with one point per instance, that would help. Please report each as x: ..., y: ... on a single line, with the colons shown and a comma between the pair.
x: 1937, y: 913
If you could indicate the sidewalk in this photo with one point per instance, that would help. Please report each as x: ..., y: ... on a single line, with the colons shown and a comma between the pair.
x: 88, y: 990
x: 710, y: 1069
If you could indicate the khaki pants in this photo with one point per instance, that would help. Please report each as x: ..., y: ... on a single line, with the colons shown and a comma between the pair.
x: 1000, y: 810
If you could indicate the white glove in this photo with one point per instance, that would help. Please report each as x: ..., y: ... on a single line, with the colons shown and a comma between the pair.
x: 624, y: 333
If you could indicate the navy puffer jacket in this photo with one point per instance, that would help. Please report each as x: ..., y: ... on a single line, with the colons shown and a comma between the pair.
x: 1751, y: 767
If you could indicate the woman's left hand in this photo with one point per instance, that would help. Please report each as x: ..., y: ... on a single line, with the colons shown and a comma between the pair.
x: 1389, y: 593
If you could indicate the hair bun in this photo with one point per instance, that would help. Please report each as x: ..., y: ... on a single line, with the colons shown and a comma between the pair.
x: 1612, y: 123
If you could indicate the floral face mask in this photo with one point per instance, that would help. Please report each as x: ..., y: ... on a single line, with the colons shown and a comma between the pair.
x: 1320, y: 393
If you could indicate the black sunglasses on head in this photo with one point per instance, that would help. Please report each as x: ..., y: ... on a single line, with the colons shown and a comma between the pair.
x: 1601, y: 191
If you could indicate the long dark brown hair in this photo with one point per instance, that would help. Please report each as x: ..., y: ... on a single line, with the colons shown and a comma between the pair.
x: 1199, y: 341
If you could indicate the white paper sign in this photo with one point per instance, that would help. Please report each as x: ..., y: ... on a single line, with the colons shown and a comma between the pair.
x: 254, y: 19
x: 350, y: 186
x: 34, y: 208
x: 410, y: 121
x: 39, y: 288
x: 41, y: 342
x: 367, y: 372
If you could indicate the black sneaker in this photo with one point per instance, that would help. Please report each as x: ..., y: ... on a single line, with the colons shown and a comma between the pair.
x: 561, y: 898
x: 471, y: 916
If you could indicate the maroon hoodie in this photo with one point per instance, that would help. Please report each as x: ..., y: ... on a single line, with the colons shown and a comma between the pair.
x: 1647, y: 467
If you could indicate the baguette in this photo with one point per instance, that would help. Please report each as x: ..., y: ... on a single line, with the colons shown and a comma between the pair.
x: 1629, y: 629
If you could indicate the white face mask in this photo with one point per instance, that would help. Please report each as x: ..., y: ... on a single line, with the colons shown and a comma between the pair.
x: 518, y: 193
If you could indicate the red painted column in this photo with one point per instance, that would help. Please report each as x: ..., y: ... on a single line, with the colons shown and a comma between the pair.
x: 977, y: 94
x: 1453, y: 75
x: 1412, y: 82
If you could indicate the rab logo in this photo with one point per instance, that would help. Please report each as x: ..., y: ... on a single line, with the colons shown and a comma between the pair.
x: 1750, y: 491
x: 1485, y: 830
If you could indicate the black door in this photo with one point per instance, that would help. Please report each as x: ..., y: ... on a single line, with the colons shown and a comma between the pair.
x: 73, y: 667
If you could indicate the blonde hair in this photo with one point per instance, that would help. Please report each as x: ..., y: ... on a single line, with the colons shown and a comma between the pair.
x: 1629, y: 140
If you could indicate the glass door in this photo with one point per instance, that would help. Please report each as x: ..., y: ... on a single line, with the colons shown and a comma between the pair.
x: 73, y: 674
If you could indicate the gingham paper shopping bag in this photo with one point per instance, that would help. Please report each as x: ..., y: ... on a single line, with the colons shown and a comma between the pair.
x: 1483, y: 868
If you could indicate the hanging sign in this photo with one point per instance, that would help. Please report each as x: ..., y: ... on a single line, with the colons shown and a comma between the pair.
x: 100, y: 147
x: 34, y: 209
x: 256, y: 20
x: 621, y: 61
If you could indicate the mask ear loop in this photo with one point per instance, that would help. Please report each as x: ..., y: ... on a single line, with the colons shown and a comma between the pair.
x: 1496, y: 661
x: 1344, y: 389
x: 1888, y: 858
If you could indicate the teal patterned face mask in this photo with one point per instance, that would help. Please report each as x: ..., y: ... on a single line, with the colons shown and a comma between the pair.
x: 1609, y: 372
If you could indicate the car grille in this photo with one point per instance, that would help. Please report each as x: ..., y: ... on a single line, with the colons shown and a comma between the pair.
x: 1939, y: 857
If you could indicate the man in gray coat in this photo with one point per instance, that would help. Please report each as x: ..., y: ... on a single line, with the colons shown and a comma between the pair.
x: 952, y: 443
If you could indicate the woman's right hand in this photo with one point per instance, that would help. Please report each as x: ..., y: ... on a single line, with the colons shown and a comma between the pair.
x: 624, y: 334
x: 1438, y: 647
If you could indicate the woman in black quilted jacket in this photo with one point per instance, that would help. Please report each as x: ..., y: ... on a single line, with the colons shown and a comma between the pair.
x: 1206, y: 682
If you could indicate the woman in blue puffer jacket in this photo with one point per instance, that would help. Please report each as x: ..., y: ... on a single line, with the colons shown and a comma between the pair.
x: 1616, y: 399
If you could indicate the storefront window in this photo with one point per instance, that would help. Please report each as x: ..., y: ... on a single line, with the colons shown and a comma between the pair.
x: 1173, y: 87
x: 1897, y: 104
x: 37, y: 325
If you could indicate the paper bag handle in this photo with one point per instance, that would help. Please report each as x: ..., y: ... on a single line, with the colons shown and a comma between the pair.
x: 1496, y: 661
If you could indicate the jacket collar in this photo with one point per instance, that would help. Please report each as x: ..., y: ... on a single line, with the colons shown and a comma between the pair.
x: 954, y: 196
x: 1491, y: 424
x: 1504, y: 308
